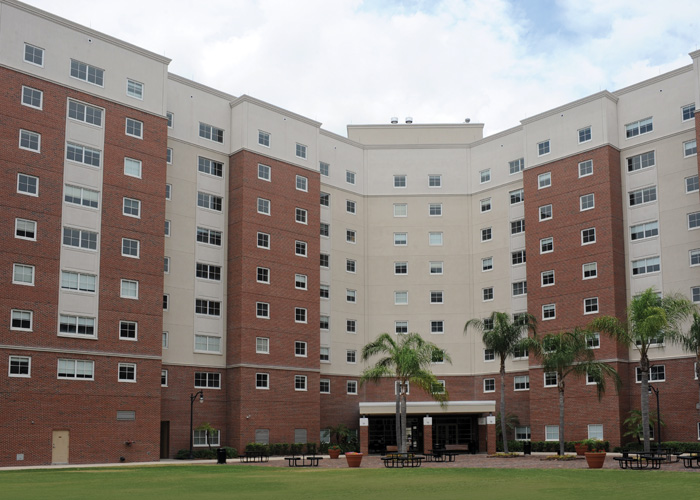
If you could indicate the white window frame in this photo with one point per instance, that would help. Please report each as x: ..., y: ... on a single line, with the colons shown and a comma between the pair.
x: 93, y: 74
x: 351, y: 387
x: 594, y: 269
x: 434, y: 180
x: 591, y: 305
x: 27, y: 224
x: 549, y: 312
x: 82, y: 369
x: 136, y: 127
x: 400, y: 181
x: 691, y: 184
x: 262, y: 310
x: 584, y: 167
x: 302, y: 183
x: 30, y: 138
x: 129, y: 375
x: 30, y: 92
x: 653, y: 373
x: 262, y: 345
x: 435, y: 209
x: 585, y: 134
x: 587, y: 202
x: 548, y: 382
x: 485, y: 205
x: 436, y: 267
x: 549, y: 433
x: 690, y: 148
x: 138, y: 248
x: 21, y: 316
x: 639, y: 127
x: 521, y: 383
x: 23, y: 270
x: 586, y: 233
x: 300, y: 151
x: 486, y: 264
x: 300, y: 383
x: 485, y: 176
x: 262, y: 381
x: 544, y: 180
x: 516, y: 166
x: 549, y: 241
x: 487, y: 294
x: 131, y: 285
x: 32, y: 54
x: 400, y: 239
x: 300, y: 315
x: 492, y: 384
x: 401, y: 298
x: 486, y: 234
x: 350, y: 177
x: 22, y: 363
x: 435, y: 238
x: 124, y: 323
x: 135, y: 89
x: 546, y: 212
x: 543, y: 148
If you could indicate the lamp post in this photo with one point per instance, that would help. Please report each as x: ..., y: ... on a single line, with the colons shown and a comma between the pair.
x: 658, y: 416
x: 193, y: 397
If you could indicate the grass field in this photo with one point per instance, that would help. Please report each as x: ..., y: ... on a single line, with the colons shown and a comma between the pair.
x: 217, y: 482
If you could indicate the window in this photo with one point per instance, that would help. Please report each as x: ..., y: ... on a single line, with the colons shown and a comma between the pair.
x: 325, y: 260
x: 262, y: 380
x: 263, y: 240
x: 130, y: 248
x: 400, y: 327
x: 399, y: 181
x: 486, y: 234
x: 657, y: 373
x: 350, y: 207
x: 28, y: 184
x: 435, y: 239
x: 401, y: 298
x: 29, y: 140
x: 262, y: 345
x: 437, y: 326
x: 400, y: 268
x: 325, y: 386
x: 436, y: 267
x: 32, y: 97
x: 132, y: 168
x: 550, y: 379
x: 33, y: 55
x: 325, y: 354
x: 692, y: 184
x: 264, y: 138
x: 485, y: 205
x: 131, y: 207
x: 695, y: 257
x: 300, y: 349
x: 215, y: 168
x: 695, y: 294
x: 263, y: 172
x: 590, y: 270
x: 639, y: 127
x: 263, y: 206
x: 86, y: 72
x: 350, y: 356
x: 212, y: 237
x: 170, y: 118
x: 350, y: 265
x: 688, y: 112
x: 349, y: 177
x: 299, y: 315
x: 25, y: 229
x: 517, y: 226
x: 351, y: 386
x: 519, y: 353
x: 302, y: 183
x: 584, y: 135
x: 169, y: 156
x: 300, y: 217
x: 325, y: 291
x: 76, y: 325
x: 300, y: 152
x: 83, y: 154
x: 324, y: 322
x: 325, y: 199
x: 76, y: 369
x: 164, y: 378
x: 551, y: 433
x: 590, y: 306
x: 595, y: 431
x: 207, y: 380
x: 547, y: 278
x: 166, y: 302
x: 543, y: 148
x: 262, y: 310
x: 86, y: 113
x: 350, y: 236
x: 641, y: 161
x: 546, y: 245
x: 435, y: 209
x: 208, y: 272
x: 518, y: 257
x: 487, y: 293
x: 436, y: 297
x: 134, y: 128
x: 522, y: 433
x: 22, y: 320
x: 168, y: 191
x: 587, y: 202
x: 690, y: 148
x: 694, y: 220
x: 545, y: 212
x: 588, y: 236
x: 434, y: 180
x: 324, y: 168
x: 78, y: 281
x: 549, y: 311
x: 593, y: 340
x: 521, y: 383
x: 81, y: 196
x: 642, y: 231
x: 129, y: 289
x: 544, y: 180
x: 646, y: 266
x: 517, y: 196
x: 79, y: 238
x: 489, y: 354
x: 210, y: 132
x: 519, y: 288
x: 167, y: 228
x: 585, y: 168
x: 400, y: 209
x: 166, y: 265
x: 485, y: 176
x: 487, y: 264
x: 400, y: 239
x: 489, y: 385
x: 134, y: 89
x: 300, y: 281
x: 127, y: 372
x: 350, y: 295
x: 207, y: 307
x: 516, y: 166
x: 128, y: 330
x: 210, y: 201
x: 299, y: 382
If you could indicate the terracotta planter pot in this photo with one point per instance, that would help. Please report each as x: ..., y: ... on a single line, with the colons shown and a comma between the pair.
x: 595, y: 460
x: 581, y: 448
x: 354, y: 459
x: 334, y: 454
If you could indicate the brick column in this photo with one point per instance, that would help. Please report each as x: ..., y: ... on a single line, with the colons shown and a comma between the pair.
x: 427, y: 434
x: 491, y: 435
x: 364, y: 436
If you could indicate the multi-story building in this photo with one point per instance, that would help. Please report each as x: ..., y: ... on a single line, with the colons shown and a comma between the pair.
x: 279, y: 249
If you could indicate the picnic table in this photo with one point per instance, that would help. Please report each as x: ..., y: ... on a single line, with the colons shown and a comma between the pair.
x: 254, y: 456
x: 401, y: 460
x: 441, y: 455
x: 641, y: 461
x: 303, y: 460
x: 690, y: 460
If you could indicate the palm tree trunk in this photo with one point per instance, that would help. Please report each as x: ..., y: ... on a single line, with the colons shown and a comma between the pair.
x: 403, y: 422
x: 503, y: 406
x: 562, y: 441
x: 644, y: 403
x: 398, y: 388
x: 697, y: 376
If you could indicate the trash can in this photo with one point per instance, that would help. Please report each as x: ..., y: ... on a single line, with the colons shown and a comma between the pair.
x: 221, y: 456
x: 527, y: 448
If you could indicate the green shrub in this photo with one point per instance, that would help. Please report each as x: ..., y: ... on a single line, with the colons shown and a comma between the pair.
x: 182, y: 454
x: 311, y: 448
x: 673, y: 446
x: 296, y: 448
x: 323, y: 448
x: 259, y: 447
x: 231, y: 452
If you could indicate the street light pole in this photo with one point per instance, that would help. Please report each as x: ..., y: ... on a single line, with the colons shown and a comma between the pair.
x: 658, y: 417
x: 193, y: 397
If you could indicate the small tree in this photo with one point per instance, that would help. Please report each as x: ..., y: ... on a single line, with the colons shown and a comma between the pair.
x: 633, y: 423
x: 691, y: 343
x: 504, y: 337
x: 567, y: 354
x: 209, y: 431
x: 341, y: 433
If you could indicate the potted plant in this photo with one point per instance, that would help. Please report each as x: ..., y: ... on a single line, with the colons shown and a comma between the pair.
x: 595, y: 456
x: 354, y: 459
x: 334, y: 451
x: 581, y: 447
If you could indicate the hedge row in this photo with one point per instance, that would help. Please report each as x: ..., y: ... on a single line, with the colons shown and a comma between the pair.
x: 205, y: 453
x: 543, y: 446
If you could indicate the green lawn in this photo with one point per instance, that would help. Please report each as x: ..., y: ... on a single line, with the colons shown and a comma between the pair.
x: 244, y: 483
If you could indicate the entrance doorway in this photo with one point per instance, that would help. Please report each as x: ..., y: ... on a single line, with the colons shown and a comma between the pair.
x: 59, y: 447
x: 382, y: 433
x: 165, y: 439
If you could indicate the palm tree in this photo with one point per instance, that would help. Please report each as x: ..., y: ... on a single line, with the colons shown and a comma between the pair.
x: 650, y: 318
x: 503, y: 336
x: 691, y: 343
x: 406, y: 360
x: 567, y: 354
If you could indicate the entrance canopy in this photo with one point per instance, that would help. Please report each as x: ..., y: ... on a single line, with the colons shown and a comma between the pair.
x: 428, y: 407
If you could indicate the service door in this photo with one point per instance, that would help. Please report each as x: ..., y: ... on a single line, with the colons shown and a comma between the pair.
x: 59, y: 451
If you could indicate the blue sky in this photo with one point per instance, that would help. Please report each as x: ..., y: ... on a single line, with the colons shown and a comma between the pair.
x: 351, y: 61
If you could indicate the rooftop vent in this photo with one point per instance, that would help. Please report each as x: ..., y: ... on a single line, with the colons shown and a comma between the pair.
x: 394, y: 119
x: 467, y: 120
x: 409, y: 119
